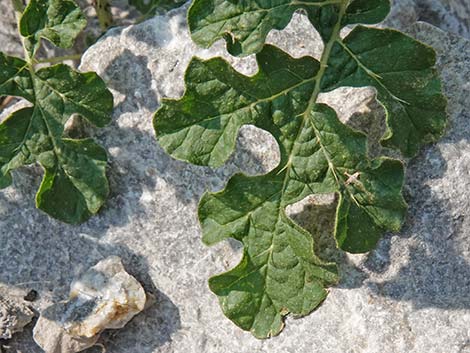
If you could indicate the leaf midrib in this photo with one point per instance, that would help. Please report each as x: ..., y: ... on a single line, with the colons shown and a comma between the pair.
x: 317, y: 90
x: 249, y: 106
x: 313, y: 99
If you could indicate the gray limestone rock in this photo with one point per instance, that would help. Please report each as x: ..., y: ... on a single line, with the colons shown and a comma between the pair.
x: 409, y: 295
x: 449, y: 15
x: 403, y: 14
x: 9, y: 36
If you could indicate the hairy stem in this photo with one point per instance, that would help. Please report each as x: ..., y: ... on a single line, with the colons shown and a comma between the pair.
x: 18, y: 5
x: 59, y: 59
x: 103, y: 11
x: 326, y: 57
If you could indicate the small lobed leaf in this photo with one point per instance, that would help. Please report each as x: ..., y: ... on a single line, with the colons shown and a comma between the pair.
x: 58, y: 21
x: 280, y: 272
x: 74, y: 186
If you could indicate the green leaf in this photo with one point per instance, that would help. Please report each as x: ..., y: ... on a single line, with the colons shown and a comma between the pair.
x: 246, y: 24
x: 58, y: 21
x: 203, y: 126
x: 15, y: 79
x: 366, y: 11
x: 279, y: 272
x: 75, y: 184
x: 403, y: 73
x: 152, y: 7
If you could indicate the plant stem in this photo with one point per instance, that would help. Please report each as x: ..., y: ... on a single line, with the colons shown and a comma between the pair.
x: 59, y: 59
x: 103, y: 11
x: 18, y: 6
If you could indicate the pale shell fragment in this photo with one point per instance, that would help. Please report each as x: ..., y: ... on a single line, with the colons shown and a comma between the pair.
x: 105, y: 297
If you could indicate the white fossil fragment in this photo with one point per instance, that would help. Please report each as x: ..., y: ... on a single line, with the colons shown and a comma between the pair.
x: 105, y: 297
x: 14, y: 314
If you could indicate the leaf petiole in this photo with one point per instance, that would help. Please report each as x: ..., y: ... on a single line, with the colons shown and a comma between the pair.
x: 103, y: 12
x: 59, y: 59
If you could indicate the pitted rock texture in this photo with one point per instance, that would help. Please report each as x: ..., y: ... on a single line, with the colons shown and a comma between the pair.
x: 408, y: 296
x: 449, y: 15
x: 14, y: 313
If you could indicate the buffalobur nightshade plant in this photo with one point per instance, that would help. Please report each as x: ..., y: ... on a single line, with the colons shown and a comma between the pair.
x: 279, y: 272
x: 74, y: 185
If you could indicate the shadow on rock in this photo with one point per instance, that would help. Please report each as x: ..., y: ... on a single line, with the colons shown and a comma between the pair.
x: 436, y: 274
x: 436, y: 252
x: 319, y: 220
x: 126, y: 74
x: 148, y: 330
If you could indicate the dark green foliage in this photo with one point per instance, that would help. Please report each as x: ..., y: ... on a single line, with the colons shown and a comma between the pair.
x: 74, y: 186
x: 279, y: 272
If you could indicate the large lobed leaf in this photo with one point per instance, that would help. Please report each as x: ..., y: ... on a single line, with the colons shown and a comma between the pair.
x: 279, y: 272
x: 74, y: 185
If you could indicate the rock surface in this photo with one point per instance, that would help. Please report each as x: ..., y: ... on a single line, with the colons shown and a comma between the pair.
x: 410, y: 295
x: 14, y: 313
x: 8, y: 32
x: 449, y: 15
x: 105, y: 297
